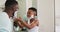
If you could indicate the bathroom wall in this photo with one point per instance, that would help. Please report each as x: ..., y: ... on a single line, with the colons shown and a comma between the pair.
x: 57, y: 15
x: 2, y: 2
x: 46, y: 15
x: 22, y: 8
x: 57, y: 12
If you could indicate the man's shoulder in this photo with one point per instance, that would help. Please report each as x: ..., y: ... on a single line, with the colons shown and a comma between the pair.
x: 3, y: 16
x: 2, y: 13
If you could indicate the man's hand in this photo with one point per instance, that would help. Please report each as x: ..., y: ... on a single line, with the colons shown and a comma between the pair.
x: 18, y: 19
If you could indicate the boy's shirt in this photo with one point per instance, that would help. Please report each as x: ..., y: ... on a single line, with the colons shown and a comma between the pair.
x: 25, y: 18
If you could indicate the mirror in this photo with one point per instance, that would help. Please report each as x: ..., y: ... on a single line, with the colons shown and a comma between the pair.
x: 45, y: 13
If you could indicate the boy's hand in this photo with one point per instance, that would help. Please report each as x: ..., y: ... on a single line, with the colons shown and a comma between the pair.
x: 18, y: 19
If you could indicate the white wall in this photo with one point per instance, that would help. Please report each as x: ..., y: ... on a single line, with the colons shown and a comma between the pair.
x: 57, y: 12
x: 28, y: 4
x: 34, y: 3
x: 22, y: 8
x: 46, y: 15
x: 2, y: 2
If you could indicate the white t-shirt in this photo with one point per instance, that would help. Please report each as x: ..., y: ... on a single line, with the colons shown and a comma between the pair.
x: 5, y: 23
x: 34, y: 29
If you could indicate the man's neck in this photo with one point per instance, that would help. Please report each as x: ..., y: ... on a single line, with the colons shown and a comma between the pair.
x: 9, y: 13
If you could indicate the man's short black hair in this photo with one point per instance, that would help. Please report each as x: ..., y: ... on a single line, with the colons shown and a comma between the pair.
x: 9, y: 3
x: 33, y: 9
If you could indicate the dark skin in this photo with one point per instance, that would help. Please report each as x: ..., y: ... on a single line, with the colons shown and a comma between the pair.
x: 34, y: 22
x: 24, y: 24
x: 11, y: 10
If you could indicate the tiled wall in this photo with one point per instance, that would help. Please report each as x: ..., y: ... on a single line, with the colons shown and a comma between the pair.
x: 24, y: 5
x: 2, y: 5
x: 22, y: 8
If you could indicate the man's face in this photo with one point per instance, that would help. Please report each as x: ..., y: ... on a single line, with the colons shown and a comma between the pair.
x: 15, y: 7
x: 29, y: 13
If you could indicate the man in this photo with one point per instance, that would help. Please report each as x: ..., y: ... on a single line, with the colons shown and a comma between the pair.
x: 6, y: 25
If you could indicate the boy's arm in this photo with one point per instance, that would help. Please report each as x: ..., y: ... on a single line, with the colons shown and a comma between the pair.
x: 33, y: 24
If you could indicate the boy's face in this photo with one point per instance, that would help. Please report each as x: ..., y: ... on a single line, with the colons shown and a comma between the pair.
x: 30, y: 13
